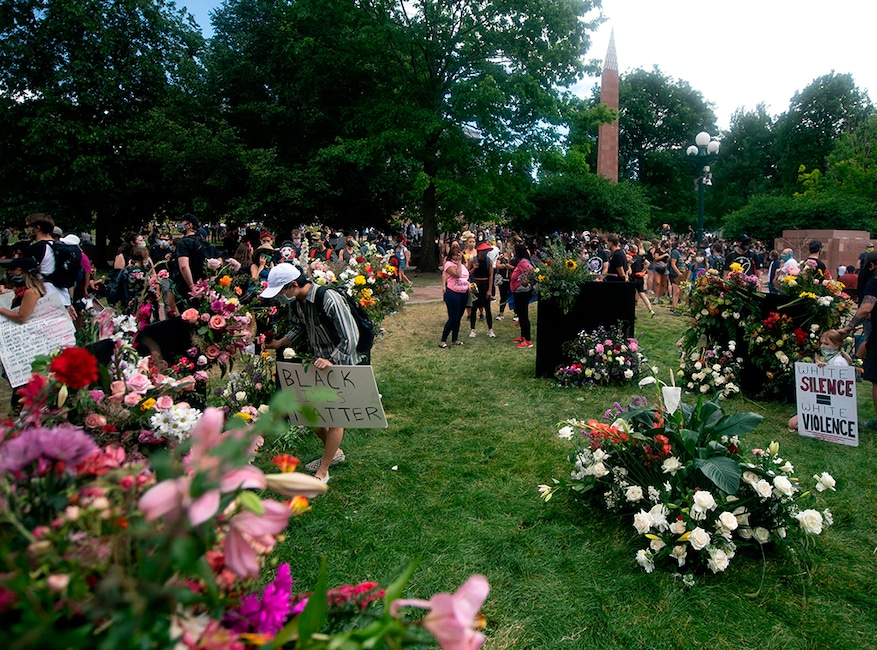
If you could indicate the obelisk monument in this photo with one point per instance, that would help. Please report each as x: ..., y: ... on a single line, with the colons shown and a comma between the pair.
x: 607, y: 137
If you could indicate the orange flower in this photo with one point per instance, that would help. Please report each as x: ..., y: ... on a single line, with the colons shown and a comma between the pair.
x: 299, y: 505
x: 285, y: 462
x: 225, y: 281
x: 367, y: 302
x: 238, y: 290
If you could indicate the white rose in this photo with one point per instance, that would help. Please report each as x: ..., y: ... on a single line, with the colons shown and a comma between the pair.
x: 671, y: 465
x: 240, y: 396
x: 811, y: 521
x: 565, y: 433
x: 677, y: 527
x: 742, y: 516
x: 644, y: 559
x: 634, y: 493
x: 698, y: 365
x: 628, y: 374
x: 824, y: 482
x: 600, y: 470
x: 704, y: 388
x: 288, y: 353
x: 718, y: 561
x: 679, y: 553
x: 263, y: 409
x: 829, y: 518
x: 700, y: 539
x: 761, y: 535
x: 728, y: 520
x: 750, y: 477
x: 657, y: 544
x: 783, y: 485
x: 704, y: 501
x: 642, y: 521
x: 600, y: 455
x: 763, y: 489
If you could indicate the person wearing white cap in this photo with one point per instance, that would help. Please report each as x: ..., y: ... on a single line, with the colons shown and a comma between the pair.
x: 41, y: 227
x: 330, y: 344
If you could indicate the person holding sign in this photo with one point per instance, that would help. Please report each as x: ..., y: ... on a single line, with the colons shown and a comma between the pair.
x: 831, y: 354
x: 23, y: 275
x: 332, y: 342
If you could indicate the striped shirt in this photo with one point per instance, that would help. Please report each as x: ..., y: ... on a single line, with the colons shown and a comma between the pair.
x: 336, y: 343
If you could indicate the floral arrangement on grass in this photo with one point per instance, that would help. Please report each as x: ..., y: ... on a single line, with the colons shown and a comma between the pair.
x: 369, y: 278
x: 695, y: 498
x: 104, y: 548
x: 222, y: 325
x: 719, y: 307
x: 824, y: 301
x: 775, y: 344
x: 248, y: 389
x: 712, y: 370
x: 603, y: 356
x: 559, y: 276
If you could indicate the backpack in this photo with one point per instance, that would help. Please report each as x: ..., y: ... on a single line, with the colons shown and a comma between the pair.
x: 364, y: 323
x: 117, y: 287
x: 201, y: 252
x: 717, y: 262
x: 68, y: 265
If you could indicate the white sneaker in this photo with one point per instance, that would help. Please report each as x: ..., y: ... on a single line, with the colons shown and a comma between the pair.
x: 471, y: 334
x: 490, y: 334
x: 314, y: 465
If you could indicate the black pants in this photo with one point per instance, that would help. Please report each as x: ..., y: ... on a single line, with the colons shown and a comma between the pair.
x: 481, y: 301
x: 522, y: 311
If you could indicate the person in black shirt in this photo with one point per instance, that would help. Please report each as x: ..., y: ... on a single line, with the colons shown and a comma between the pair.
x: 190, y: 255
x: 618, y: 267
x: 815, y: 248
x: 741, y: 255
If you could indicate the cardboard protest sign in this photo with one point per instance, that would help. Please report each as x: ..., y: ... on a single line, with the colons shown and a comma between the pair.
x: 353, y: 401
x: 826, y: 399
x: 48, y: 328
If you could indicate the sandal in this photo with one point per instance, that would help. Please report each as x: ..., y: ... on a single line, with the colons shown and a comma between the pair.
x: 443, y: 345
x: 458, y: 342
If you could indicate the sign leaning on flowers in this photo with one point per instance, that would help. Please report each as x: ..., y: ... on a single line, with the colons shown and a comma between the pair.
x: 693, y: 495
x: 826, y: 397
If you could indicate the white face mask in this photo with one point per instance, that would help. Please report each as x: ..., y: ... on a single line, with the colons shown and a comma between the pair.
x: 283, y: 299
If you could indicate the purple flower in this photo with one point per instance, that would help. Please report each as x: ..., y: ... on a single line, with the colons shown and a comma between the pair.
x: 97, y: 395
x: 638, y: 401
x: 65, y: 443
x: 217, y: 306
x: 269, y: 614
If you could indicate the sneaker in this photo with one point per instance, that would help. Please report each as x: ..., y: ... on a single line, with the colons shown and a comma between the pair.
x: 490, y: 334
x: 516, y: 319
x: 323, y: 480
x: 314, y: 465
x: 472, y: 334
x: 651, y: 313
x: 518, y: 339
x: 525, y: 344
x: 871, y: 424
x: 498, y: 318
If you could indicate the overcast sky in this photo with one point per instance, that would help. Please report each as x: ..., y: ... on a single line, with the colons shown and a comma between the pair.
x: 735, y: 52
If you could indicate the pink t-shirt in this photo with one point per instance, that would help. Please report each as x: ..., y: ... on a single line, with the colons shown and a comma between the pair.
x: 461, y: 284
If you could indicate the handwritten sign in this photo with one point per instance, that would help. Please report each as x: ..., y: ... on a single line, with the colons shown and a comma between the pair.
x: 48, y: 328
x: 353, y: 395
x: 827, y: 403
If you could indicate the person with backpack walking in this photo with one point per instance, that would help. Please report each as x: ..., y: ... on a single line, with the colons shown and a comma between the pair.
x: 40, y: 228
x: 193, y: 251
x: 329, y: 330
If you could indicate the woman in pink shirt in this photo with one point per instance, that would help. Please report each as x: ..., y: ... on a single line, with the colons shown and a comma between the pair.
x: 455, y: 277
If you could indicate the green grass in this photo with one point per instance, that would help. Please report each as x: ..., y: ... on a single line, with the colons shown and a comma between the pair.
x: 473, y: 432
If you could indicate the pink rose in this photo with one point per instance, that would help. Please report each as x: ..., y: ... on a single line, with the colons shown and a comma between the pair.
x: 212, y: 351
x: 117, y: 391
x: 186, y: 383
x: 233, y: 263
x: 95, y: 421
x: 139, y: 383
x: 131, y: 399
x: 190, y: 315
x: 217, y: 322
x: 163, y: 403
x: 223, y: 358
x: 214, y: 263
x: 200, y: 375
x: 205, y: 317
x: 97, y: 395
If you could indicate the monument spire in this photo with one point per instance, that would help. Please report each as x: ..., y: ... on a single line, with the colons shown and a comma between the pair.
x: 607, y: 136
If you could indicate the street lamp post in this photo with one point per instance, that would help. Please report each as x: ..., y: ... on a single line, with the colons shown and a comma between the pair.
x: 702, y: 154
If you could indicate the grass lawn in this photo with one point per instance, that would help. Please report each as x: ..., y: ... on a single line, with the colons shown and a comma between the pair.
x: 473, y: 432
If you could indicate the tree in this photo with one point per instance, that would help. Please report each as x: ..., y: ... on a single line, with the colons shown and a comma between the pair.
x: 817, y: 116
x: 746, y: 165
x: 658, y: 118
x: 77, y: 80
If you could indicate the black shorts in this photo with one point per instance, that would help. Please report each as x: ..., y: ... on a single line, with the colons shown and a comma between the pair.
x: 870, y: 366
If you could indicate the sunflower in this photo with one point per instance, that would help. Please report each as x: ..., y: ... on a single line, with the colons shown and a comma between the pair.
x: 571, y: 265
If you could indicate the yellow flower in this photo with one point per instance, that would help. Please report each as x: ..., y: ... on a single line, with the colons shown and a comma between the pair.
x: 736, y: 268
x: 542, y: 278
x: 808, y: 294
x: 359, y: 280
x: 147, y: 404
x: 788, y: 279
x: 571, y: 265
x: 366, y: 293
x: 246, y: 417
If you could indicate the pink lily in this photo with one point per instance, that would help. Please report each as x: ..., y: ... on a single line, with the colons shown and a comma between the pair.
x: 250, y: 535
x: 452, y: 616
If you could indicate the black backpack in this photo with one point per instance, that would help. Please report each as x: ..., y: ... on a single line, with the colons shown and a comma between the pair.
x: 364, y: 322
x: 68, y: 265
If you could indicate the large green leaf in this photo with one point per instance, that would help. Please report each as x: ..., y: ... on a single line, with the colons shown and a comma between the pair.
x: 315, y: 613
x: 737, y: 424
x: 723, y: 472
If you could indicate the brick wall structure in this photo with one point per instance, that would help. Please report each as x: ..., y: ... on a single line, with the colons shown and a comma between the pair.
x: 839, y: 246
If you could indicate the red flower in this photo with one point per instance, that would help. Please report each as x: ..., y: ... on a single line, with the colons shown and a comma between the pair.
x: 75, y: 367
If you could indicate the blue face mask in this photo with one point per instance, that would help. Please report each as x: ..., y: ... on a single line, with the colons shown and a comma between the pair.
x: 829, y: 353
x: 786, y: 256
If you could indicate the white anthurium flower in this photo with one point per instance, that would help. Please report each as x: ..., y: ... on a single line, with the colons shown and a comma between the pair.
x: 672, y: 397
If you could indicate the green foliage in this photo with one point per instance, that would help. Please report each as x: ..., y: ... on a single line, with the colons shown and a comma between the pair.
x: 580, y: 201
x: 765, y: 217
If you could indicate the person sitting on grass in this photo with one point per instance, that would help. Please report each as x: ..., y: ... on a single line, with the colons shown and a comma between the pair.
x: 830, y: 354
